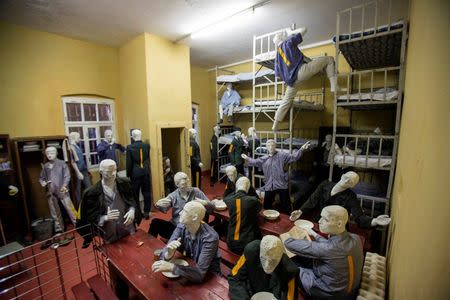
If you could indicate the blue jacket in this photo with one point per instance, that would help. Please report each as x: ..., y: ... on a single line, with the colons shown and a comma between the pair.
x: 289, y: 59
x: 233, y: 98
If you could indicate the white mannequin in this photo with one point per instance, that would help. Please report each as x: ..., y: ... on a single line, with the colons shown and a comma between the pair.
x: 327, y: 142
x: 271, y: 252
x: 136, y: 134
x: 252, y: 133
x: 108, y: 171
x: 183, y: 184
x: 109, y: 137
x: 51, y: 153
x: 216, y: 130
x: 348, y: 181
x: 332, y: 222
x: 193, y: 134
x: 243, y: 184
x: 74, y: 139
x: 191, y: 216
x: 283, y: 35
x: 231, y: 173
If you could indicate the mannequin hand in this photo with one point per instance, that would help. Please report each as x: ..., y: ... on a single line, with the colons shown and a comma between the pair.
x: 200, y: 165
x: 201, y: 201
x: 80, y: 176
x: 382, y: 220
x: 162, y: 266
x: 166, y: 171
x: 295, y: 215
x: 12, y: 190
x: 244, y: 156
x: 45, y: 183
x: 297, y: 233
x: 129, y: 217
x: 112, y: 214
x: 305, y: 146
x: 164, y: 202
x: 172, y: 247
x: 311, y: 232
x: 63, y: 189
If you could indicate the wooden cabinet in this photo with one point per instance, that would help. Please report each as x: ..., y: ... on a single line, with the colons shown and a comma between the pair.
x: 29, y: 153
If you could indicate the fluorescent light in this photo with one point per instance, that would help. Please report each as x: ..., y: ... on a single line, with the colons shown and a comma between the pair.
x: 228, y: 23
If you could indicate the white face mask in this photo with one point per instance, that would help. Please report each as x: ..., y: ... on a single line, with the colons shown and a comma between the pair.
x: 270, y: 260
x: 329, y: 223
x: 348, y: 180
x: 229, y: 87
x: 185, y: 218
x: 51, y: 154
x: 183, y: 185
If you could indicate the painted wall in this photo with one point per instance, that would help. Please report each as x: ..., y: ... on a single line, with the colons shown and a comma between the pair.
x: 203, y: 94
x: 37, y: 68
x: 419, y: 251
x: 169, y: 98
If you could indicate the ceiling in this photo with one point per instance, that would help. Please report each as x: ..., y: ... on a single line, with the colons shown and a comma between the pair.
x: 114, y: 22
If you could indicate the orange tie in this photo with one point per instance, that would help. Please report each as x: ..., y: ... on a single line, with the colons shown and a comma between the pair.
x: 141, y: 156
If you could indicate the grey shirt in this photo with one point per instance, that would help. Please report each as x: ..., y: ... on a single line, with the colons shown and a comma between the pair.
x: 203, y: 249
x: 178, y: 202
x: 276, y: 177
x: 337, y: 264
x: 59, y: 175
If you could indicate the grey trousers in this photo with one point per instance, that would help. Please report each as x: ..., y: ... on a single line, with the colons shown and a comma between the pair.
x: 55, y: 212
x: 306, y: 71
x: 228, y: 110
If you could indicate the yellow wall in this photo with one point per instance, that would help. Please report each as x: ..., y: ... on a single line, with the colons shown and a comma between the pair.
x: 37, y: 68
x: 203, y: 94
x: 169, y: 98
x: 419, y: 253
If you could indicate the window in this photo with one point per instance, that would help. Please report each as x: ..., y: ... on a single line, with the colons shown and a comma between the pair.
x: 90, y: 117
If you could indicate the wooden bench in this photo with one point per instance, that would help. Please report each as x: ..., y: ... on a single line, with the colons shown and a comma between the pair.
x: 228, y: 257
x: 82, y: 292
x: 101, y: 288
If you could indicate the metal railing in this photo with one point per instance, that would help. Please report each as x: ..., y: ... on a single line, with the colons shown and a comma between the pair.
x: 49, y: 269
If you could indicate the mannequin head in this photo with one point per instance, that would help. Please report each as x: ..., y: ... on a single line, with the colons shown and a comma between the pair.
x: 74, y: 138
x: 108, y: 171
x: 108, y: 135
x: 51, y: 153
x: 279, y: 38
x: 192, y: 133
x: 271, y: 147
x: 136, y: 134
x: 237, y: 133
x: 192, y: 214
x: 243, y: 184
x: 229, y: 86
x: 271, y: 251
x: 182, y: 181
x: 251, y: 132
x: 216, y: 130
x: 231, y: 173
x: 348, y: 180
x: 377, y: 131
x: 333, y: 219
x: 166, y: 162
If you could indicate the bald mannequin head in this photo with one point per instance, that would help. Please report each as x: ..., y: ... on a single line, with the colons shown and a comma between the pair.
x: 231, y: 172
x: 251, y: 132
x: 192, y: 133
x: 51, y: 153
x: 333, y: 219
x: 108, y: 135
x: 192, y: 214
x: 182, y: 181
x: 271, y: 252
x: 348, y: 181
x: 243, y: 184
x: 108, y: 171
x: 74, y: 137
x: 216, y: 130
x: 271, y: 146
x: 136, y: 134
x: 279, y: 38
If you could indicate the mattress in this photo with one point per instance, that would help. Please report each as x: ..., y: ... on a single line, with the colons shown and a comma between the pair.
x: 266, y: 56
x: 226, y: 139
x: 363, y: 161
x: 378, y: 95
x: 370, y: 31
x: 299, y: 142
x: 276, y: 103
x: 243, y: 76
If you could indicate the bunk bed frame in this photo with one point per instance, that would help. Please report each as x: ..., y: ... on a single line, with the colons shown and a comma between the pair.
x: 382, y: 57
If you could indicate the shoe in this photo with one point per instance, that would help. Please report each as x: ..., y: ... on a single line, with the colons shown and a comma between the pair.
x: 46, y: 244
x: 66, y: 240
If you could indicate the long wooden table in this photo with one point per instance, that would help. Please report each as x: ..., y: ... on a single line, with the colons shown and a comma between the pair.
x: 131, y: 273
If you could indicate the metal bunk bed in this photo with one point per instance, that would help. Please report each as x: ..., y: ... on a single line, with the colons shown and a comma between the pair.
x: 376, y: 55
x: 222, y: 151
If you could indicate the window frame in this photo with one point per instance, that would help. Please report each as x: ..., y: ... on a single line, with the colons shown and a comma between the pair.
x: 89, y: 124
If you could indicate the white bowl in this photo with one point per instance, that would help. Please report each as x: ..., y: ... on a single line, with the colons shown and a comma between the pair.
x: 271, y: 214
x: 221, y: 206
x: 176, y: 261
x: 304, y: 224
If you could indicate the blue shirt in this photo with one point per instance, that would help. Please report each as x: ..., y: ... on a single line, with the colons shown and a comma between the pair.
x: 233, y: 98
x: 106, y: 150
x: 289, y: 59
x: 81, y: 164
x: 203, y: 249
x: 275, y: 177
x: 331, y: 274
